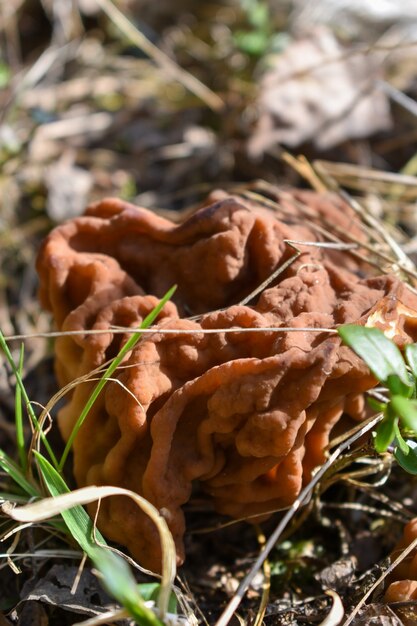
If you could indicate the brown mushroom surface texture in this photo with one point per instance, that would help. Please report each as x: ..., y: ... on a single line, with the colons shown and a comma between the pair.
x: 403, y: 579
x: 246, y: 414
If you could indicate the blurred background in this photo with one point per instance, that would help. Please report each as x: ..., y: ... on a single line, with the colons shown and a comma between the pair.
x: 154, y: 101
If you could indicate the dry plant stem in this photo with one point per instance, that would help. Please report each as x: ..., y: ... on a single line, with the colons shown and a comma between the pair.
x: 266, y: 583
x: 302, y: 166
x: 363, y: 508
x: 336, y: 612
x: 399, y: 97
x: 272, y: 277
x: 302, y: 498
x: 404, y: 262
x: 370, y: 591
x: 48, y: 507
x: 200, y: 90
x: 274, y: 206
x: 37, y: 72
x: 170, y: 331
x: 106, y: 618
x: 78, y: 575
x: 408, y: 267
x: 348, y: 170
x: 10, y: 553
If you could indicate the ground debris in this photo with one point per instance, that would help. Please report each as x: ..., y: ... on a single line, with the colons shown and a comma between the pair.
x: 339, y: 574
x: 56, y: 589
x: 377, y: 615
x: 86, y: 114
x: 316, y: 91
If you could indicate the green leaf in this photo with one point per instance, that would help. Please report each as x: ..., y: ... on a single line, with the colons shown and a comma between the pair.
x: 29, y: 408
x: 259, y: 16
x: 385, y: 434
x: 404, y: 447
x: 5, y: 75
x: 408, y: 461
x: 16, y: 474
x: 406, y: 409
x: 117, y: 576
x: 410, y: 352
x: 20, y: 437
x: 376, y: 405
x: 251, y: 42
x: 150, y: 591
x: 381, y: 355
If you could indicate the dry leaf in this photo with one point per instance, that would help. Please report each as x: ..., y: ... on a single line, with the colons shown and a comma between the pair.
x: 315, y: 91
x: 56, y: 589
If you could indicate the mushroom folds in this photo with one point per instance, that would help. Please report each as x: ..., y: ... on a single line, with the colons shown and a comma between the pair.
x: 248, y: 414
x: 402, y: 582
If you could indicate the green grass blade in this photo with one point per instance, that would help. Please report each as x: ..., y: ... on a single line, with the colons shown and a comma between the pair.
x: 117, y: 577
x: 119, y: 582
x: 150, y: 591
x: 110, y: 370
x: 31, y: 412
x: 410, y: 351
x: 16, y: 474
x: 77, y: 519
x: 20, y: 438
x: 12, y: 497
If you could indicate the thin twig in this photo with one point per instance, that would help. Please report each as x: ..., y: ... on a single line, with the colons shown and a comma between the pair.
x: 192, y: 83
x: 171, y: 331
x: 272, y: 277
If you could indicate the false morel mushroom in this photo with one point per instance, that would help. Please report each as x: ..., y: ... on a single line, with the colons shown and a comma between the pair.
x: 248, y: 413
x: 402, y: 581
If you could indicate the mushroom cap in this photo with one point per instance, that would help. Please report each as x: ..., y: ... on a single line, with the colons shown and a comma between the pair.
x: 248, y: 415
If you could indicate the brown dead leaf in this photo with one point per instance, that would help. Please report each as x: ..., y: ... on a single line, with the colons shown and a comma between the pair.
x: 4, y: 621
x: 316, y: 91
x: 55, y: 589
x: 338, y: 574
x: 33, y: 614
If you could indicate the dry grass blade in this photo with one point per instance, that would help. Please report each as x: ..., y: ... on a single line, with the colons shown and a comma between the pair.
x: 336, y: 612
x: 347, y: 173
x: 48, y: 507
x: 171, y: 331
x: 302, y: 499
x: 106, y: 618
x: 266, y: 584
x: 138, y: 38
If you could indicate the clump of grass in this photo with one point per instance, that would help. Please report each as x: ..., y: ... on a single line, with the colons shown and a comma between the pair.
x: 147, y: 604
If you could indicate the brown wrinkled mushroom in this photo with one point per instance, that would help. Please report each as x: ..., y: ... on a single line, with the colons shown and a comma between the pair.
x: 247, y: 414
x: 403, y: 579
x: 402, y: 582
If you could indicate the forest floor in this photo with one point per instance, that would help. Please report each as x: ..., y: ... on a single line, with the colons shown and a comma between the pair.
x: 159, y: 103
